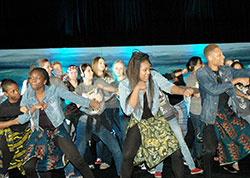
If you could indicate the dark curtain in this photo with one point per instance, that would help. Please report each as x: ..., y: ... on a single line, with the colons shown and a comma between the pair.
x: 90, y: 23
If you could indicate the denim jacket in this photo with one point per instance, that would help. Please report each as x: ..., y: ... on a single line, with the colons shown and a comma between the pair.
x: 210, y: 89
x: 53, y: 95
x: 125, y: 91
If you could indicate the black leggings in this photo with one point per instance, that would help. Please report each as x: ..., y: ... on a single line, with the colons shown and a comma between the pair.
x: 71, y: 152
x: 131, y: 146
x: 6, y: 154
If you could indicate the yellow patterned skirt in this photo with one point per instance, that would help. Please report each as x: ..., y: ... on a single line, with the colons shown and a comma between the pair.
x: 16, y: 142
x: 158, y: 140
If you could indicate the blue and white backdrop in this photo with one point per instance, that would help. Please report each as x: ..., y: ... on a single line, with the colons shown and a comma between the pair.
x: 15, y: 63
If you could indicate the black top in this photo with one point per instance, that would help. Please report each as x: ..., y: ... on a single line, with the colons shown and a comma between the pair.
x: 10, y: 111
x: 223, y: 99
x: 70, y: 86
x: 72, y: 107
x: 44, y: 121
x: 146, y: 110
x: 175, y: 99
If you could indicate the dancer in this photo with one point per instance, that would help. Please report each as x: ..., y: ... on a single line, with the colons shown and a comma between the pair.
x: 49, y: 139
x: 13, y: 139
x: 149, y: 137
x: 93, y: 122
x: 72, y: 112
x: 118, y: 69
x: 100, y: 70
x: 193, y: 65
x: 221, y: 127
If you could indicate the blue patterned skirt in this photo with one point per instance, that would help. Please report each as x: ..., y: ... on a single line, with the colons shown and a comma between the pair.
x: 42, y: 146
x: 233, y: 134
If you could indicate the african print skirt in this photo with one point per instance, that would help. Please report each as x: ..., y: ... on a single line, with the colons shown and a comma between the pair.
x: 233, y: 135
x: 16, y: 142
x: 42, y: 146
x: 158, y: 140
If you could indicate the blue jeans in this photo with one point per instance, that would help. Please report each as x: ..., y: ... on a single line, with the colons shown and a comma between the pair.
x: 103, y: 153
x: 183, y: 116
x: 195, y: 119
x: 159, y: 167
x: 174, y: 125
x: 124, y: 120
x: 247, y: 118
x: 106, y: 137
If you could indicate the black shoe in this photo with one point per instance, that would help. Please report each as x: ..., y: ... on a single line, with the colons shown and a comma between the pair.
x: 230, y: 169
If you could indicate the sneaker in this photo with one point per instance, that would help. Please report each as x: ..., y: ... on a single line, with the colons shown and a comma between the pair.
x: 70, y: 175
x: 196, y: 171
x: 104, y: 166
x: 92, y: 166
x: 143, y: 167
x: 98, y: 161
x: 151, y: 171
x: 158, y: 175
x: 230, y: 169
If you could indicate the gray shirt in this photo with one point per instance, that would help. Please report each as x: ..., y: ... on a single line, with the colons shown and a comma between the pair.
x: 91, y: 89
x: 195, y: 106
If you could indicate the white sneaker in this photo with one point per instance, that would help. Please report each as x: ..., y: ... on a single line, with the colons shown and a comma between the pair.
x: 151, y: 171
x: 104, y: 166
x: 143, y: 167
x: 91, y: 166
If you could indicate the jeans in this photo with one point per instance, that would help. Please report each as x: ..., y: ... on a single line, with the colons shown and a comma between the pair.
x: 106, y: 137
x: 124, y: 120
x: 103, y: 153
x: 159, y: 167
x: 247, y: 118
x: 197, y: 144
x: 183, y: 118
x: 174, y: 125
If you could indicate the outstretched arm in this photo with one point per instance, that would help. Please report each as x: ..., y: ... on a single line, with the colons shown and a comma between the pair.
x: 4, y: 124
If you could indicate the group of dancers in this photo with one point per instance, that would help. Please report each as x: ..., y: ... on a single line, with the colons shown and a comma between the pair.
x: 127, y: 115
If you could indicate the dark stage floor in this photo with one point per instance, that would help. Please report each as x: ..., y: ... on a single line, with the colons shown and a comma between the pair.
x: 218, y: 172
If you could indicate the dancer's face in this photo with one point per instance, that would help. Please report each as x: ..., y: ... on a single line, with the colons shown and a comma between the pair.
x: 88, y: 73
x: 47, y: 67
x: 237, y: 66
x: 217, y: 57
x: 57, y: 68
x: 13, y: 93
x: 144, y: 71
x: 101, y: 64
x: 37, y: 80
x: 73, y: 74
x: 118, y: 69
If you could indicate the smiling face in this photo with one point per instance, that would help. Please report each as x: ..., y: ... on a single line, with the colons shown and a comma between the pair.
x: 216, y: 57
x: 37, y: 80
x: 101, y: 65
x: 73, y: 74
x: 119, y: 69
x: 13, y: 93
x: 57, y: 68
x: 88, y: 73
x: 47, y: 67
x: 144, y: 71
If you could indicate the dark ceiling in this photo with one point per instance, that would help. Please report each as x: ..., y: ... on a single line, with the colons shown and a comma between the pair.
x: 92, y: 23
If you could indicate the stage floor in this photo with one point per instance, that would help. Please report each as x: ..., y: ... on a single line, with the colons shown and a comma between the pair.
x: 218, y: 172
